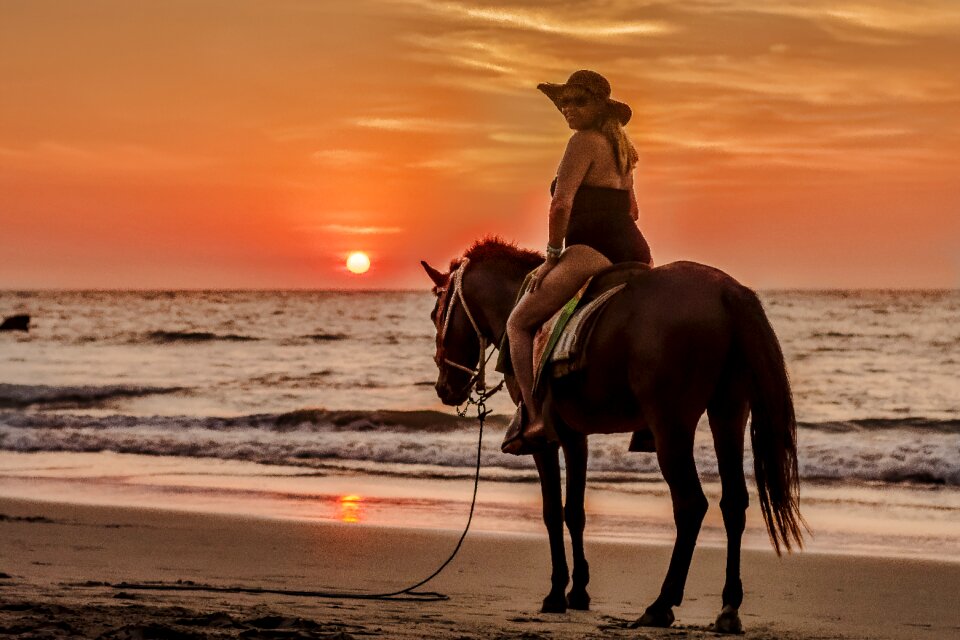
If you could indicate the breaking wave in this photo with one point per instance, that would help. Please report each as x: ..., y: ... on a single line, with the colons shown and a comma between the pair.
x: 878, y: 424
x: 168, y: 337
x: 20, y: 396
x: 437, y: 444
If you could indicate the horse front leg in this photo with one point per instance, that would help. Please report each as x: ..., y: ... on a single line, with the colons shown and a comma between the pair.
x: 548, y: 466
x: 575, y: 453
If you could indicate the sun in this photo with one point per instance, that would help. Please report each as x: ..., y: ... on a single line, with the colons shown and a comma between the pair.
x: 358, y: 262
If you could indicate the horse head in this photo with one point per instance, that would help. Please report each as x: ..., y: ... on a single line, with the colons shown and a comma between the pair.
x: 471, y: 312
x: 460, y: 342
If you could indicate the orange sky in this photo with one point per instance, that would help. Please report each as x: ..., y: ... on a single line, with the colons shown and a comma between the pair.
x: 253, y: 144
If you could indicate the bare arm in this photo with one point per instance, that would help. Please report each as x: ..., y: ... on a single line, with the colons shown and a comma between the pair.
x: 573, y: 167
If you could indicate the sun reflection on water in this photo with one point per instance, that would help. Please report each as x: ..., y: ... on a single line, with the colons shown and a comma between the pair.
x: 350, y: 508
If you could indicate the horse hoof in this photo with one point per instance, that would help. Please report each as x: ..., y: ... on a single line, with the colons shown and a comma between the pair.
x: 579, y: 600
x: 554, y: 604
x: 655, y: 618
x: 727, y: 622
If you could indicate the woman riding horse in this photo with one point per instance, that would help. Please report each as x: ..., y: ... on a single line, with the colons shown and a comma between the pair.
x: 591, y: 226
x: 676, y: 342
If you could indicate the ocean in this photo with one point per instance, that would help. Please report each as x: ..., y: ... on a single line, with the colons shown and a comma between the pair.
x: 284, y: 403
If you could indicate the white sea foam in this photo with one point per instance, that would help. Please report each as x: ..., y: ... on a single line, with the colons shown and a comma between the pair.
x: 313, y: 438
x: 222, y: 374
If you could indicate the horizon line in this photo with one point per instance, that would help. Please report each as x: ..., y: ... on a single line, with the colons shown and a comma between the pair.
x: 406, y: 290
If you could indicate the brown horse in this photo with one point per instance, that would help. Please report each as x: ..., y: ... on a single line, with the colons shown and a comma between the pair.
x: 679, y: 340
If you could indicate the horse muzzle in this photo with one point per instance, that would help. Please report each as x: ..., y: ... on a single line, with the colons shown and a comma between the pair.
x: 452, y: 394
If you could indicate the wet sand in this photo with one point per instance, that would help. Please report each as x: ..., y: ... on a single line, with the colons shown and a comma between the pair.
x: 57, y: 562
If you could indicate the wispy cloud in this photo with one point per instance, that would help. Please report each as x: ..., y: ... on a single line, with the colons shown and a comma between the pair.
x: 806, y: 79
x: 826, y: 147
x: 417, y: 125
x: 489, y: 161
x: 342, y: 156
x: 811, y: 84
x: 903, y: 16
x: 543, y: 21
x: 915, y: 17
x: 488, y: 63
x: 357, y: 230
x: 874, y: 133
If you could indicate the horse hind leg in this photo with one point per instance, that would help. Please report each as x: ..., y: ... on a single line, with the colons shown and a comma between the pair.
x: 728, y: 418
x: 575, y: 454
x: 675, y: 455
x: 548, y: 466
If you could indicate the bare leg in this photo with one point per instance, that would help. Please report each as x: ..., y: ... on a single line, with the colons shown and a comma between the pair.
x: 512, y: 388
x: 578, y: 263
x: 521, y: 357
x: 548, y: 466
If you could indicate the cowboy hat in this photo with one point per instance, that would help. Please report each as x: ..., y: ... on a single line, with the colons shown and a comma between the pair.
x: 594, y: 84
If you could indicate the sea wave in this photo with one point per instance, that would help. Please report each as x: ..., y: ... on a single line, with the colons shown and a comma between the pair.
x: 310, y: 420
x: 913, y: 423
x: 18, y: 396
x: 326, y: 337
x: 419, y: 443
x: 296, y: 381
x: 14, y: 396
x: 168, y: 337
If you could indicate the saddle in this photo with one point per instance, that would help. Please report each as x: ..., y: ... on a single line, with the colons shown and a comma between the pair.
x: 559, y: 347
x: 568, y: 334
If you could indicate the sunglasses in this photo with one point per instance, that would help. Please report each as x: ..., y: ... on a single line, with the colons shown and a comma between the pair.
x: 574, y: 101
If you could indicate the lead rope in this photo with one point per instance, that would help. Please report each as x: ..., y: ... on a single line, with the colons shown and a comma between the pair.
x: 476, y: 384
x: 408, y: 593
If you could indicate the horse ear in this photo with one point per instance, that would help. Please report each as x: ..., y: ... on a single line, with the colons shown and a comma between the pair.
x: 439, y: 279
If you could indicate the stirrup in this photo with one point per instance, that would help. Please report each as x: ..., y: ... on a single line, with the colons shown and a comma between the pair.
x: 516, y: 441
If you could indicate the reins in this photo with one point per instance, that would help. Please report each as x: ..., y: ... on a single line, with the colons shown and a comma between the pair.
x: 478, y: 378
x: 477, y: 384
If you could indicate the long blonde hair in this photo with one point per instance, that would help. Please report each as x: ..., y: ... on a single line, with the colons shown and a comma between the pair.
x: 623, y: 150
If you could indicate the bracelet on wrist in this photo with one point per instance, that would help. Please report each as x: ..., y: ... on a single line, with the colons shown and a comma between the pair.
x: 553, y: 252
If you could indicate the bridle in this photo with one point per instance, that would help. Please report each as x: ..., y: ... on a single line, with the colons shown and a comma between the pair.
x: 478, y: 372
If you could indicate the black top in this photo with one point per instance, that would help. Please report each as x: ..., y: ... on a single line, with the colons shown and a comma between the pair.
x: 600, y: 218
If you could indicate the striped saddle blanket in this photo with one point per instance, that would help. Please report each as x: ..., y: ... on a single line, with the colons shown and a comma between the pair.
x: 560, y: 345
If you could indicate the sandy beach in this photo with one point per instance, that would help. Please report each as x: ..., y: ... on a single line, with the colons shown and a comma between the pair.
x: 253, y: 252
x: 295, y: 456
x: 57, y: 562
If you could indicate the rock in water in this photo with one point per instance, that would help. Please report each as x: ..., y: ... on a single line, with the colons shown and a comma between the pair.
x: 16, y: 323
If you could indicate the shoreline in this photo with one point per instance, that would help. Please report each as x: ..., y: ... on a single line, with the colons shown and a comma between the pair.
x: 59, y: 555
x: 851, y: 520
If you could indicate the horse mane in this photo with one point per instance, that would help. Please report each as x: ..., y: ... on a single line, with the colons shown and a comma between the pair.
x: 496, y: 248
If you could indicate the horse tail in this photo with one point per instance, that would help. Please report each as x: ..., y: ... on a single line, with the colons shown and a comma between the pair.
x: 773, y: 424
